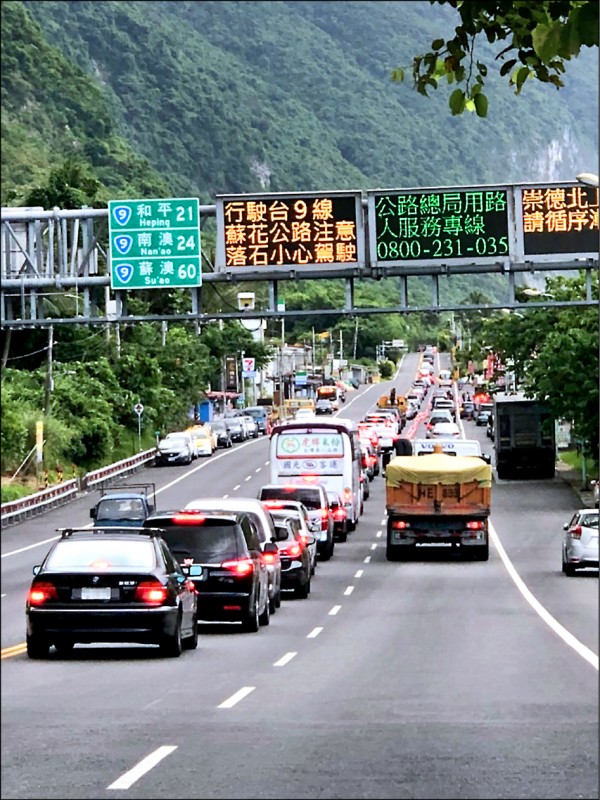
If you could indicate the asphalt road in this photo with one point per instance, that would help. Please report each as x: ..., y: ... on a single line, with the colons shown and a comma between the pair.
x: 432, y: 678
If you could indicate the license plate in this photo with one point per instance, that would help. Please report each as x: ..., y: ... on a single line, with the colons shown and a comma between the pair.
x: 95, y: 593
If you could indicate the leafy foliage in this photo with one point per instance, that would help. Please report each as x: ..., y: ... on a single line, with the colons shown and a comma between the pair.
x: 543, y: 35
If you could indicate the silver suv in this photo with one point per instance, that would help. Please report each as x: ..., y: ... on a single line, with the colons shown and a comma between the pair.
x: 314, y: 497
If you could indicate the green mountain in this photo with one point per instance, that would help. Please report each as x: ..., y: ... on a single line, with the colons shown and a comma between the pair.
x: 224, y: 97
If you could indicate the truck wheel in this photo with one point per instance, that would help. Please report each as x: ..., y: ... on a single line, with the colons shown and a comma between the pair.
x: 481, y: 552
x: 393, y: 553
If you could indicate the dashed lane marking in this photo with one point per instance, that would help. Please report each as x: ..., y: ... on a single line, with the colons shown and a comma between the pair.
x: 358, y: 573
x: 314, y: 633
x: 334, y: 611
x: 348, y: 591
x: 285, y: 660
x: 145, y: 765
x: 374, y: 546
x: 367, y: 560
x: 235, y: 698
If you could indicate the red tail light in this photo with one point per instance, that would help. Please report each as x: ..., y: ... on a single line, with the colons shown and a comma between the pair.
x: 192, y: 586
x: 305, y: 537
x: 576, y: 532
x: 293, y: 550
x: 475, y: 525
x: 151, y: 592
x: 400, y: 524
x: 242, y: 566
x: 324, y: 513
x: 273, y: 503
x: 41, y: 593
x: 372, y: 461
x: 339, y: 513
x: 188, y: 518
x: 347, y: 494
x: 268, y: 558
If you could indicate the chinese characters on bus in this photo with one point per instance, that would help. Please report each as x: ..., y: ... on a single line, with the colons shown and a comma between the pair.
x: 560, y: 219
x: 326, y: 445
x: 290, y: 231
x: 446, y: 225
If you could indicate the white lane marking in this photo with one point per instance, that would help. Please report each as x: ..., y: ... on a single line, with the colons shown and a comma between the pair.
x: 225, y: 496
x: 235, y: 698
x: 248, y: 478
x: 284, y: 659
x: 266, y: 463
x: 258, y: 470
x: 235, y: 488
x: 30, y: 546
x: 158, y: 491
x: 383, y: 521
x: 2, y: 595
x: 358, y: 573
x: 314, y: 633
x: 334, y: 611
x: 564, y: 634
x: 379, y: 534
x: 348, y: 591
x: 145, y: 765
x: 374, y: 546
x: 367, y: 560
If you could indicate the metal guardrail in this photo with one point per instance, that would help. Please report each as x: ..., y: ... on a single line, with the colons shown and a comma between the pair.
x: 99, y: 476
x: 33, y: 504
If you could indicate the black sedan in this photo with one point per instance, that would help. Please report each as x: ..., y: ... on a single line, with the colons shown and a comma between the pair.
x: 323, y: 407
x: 110, y: 585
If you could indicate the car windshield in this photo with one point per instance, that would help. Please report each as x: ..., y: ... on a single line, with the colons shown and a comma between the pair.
x: 218, y: 426
x: 211, y: 541
x: 256, y: 413
x: 102, y: 554
x: 121, y: 509
x: 173, y: 441
x: 309, y: 497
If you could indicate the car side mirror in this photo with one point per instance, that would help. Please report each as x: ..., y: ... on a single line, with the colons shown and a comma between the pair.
x: 93, y: 512
x: 185, y: 569
x: 566, y: 526
x: 36, y: 569
x: 487, y: 459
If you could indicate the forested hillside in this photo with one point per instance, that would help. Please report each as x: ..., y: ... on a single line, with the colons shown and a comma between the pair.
x: 244, y: 96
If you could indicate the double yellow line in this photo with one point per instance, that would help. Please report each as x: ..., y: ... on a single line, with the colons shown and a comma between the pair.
x: 14, y: 650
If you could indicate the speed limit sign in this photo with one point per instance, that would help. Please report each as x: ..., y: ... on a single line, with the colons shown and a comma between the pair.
x: 139, y: 409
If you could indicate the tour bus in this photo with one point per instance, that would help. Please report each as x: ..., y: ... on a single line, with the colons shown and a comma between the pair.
x: 326, y: 452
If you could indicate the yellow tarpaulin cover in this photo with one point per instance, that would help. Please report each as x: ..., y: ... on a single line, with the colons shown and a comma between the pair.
x: 438, y: 468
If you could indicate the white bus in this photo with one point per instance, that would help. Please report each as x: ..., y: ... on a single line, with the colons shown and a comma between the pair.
x: 325, y: 452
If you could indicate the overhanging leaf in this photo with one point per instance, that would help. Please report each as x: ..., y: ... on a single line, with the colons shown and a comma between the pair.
x: 457, y: 102
x: 481, y: 104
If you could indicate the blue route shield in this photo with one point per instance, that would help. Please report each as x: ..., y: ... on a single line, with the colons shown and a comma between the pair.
x: 123, y: 243
x: 122, y: 214
x: 124, y: 272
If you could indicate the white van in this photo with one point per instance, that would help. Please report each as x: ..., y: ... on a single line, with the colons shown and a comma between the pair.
x: 319, y: 451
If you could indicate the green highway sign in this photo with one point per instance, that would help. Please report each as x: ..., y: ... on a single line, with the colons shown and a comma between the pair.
x: 462, y: 225
x: 155, y: 244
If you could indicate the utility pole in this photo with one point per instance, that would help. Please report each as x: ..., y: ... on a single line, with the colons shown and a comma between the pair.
x: 355, y: 340
x: 49, y: 378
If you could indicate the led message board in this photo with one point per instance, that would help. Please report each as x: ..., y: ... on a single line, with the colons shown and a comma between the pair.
x: 557, y: 221
x: 302, y: 231
x: 463, y: 225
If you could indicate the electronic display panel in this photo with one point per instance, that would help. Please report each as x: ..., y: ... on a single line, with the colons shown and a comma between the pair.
x: 557, y: 221
x: 423, y: 227
x: 305, y: 231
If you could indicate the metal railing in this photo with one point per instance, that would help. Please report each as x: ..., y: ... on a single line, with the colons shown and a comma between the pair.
x: 33, y: 504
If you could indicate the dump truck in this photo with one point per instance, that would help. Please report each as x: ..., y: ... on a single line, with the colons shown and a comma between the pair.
x: 125, y: 506
x: 438, y: 499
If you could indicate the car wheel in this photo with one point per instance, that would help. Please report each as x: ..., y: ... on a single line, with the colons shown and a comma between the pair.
x: 342, y: 536
x: 191, y: 642
x: 564, y: 566
x: 37, y: 646
x: 250, y: 624
x: 301, y: 591
x: 272, y: 604
x: 64, y: 646
x: 569, y: 570
x: 265, y: 617
x: 278, y: 599
x: 172, y: 646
